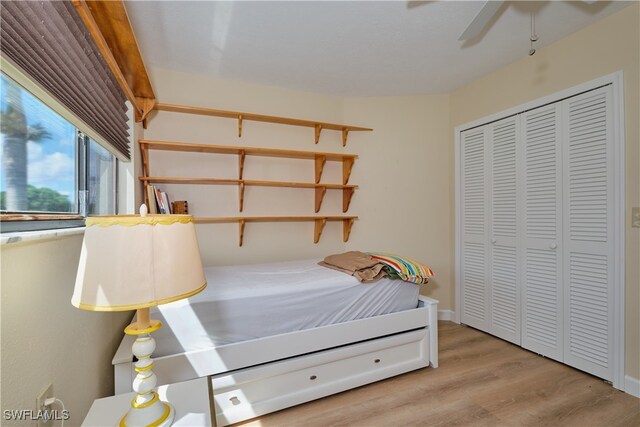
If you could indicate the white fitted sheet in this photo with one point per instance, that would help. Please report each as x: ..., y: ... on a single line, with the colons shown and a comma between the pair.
x: 252, y: 301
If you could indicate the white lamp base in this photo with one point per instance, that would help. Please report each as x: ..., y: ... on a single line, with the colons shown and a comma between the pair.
x: 146, y: 408
x: 159, y: 414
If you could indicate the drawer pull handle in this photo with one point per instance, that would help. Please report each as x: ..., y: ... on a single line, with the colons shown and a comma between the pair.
x: 376, y: 361
x: 234, y: 400
x: 312, y: 377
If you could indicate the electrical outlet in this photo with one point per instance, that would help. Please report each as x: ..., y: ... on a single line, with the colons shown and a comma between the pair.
x: 635, y: 217
x: 44, y: 394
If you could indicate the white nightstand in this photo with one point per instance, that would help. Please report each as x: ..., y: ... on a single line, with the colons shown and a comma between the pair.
x: 191, y: 400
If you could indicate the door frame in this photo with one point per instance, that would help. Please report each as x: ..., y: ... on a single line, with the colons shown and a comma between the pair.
x: 616, y: 80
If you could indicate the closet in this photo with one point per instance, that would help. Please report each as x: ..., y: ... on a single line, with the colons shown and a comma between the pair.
x: 536, y: 229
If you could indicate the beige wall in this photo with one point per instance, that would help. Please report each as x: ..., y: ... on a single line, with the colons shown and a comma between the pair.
x: 603, y: 48
x: 401, y: 203
x: 44, y: 338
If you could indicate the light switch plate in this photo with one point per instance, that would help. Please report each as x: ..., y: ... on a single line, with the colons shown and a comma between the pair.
x: 635, y: 217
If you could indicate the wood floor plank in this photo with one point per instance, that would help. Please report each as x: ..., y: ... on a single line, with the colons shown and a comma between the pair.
x: 481, y: 381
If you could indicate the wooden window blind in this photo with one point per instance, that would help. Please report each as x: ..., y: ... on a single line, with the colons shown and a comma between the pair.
x: 49, y: 41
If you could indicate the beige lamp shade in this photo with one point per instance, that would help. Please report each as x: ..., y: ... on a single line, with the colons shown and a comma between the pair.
x: 130, y: 262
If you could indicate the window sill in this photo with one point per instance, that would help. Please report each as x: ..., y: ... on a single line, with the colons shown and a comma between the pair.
x: 38, y: 217
x: 40, y: 235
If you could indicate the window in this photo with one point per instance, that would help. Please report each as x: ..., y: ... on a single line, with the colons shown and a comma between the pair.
x: 52, y: 173
x: 101, y: 180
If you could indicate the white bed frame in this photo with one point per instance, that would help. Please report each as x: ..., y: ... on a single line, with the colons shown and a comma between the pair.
x: 256, y: 377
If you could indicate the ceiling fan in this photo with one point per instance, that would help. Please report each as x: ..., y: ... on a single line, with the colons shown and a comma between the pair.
x: 482, y: 18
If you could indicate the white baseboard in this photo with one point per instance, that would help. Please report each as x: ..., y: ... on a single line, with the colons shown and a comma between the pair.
x: 631, y: 385
x: 446, y: 315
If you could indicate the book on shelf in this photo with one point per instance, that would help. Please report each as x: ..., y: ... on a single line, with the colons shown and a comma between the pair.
x: 151, y: 196
x: 165, y: 203
x: 161, y: 208
x: 162, y: 199
x: 159, y: 202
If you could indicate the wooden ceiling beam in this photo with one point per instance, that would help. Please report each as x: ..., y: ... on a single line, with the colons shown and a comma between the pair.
x: 108, y: 24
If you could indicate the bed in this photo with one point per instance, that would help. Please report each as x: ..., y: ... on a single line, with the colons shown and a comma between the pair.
x: 271, y: 336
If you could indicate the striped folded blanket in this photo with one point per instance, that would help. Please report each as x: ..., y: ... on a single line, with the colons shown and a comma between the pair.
x: 406, y: 269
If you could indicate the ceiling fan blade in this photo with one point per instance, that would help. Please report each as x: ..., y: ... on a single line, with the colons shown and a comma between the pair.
x: 489, y: 8
x: 416, y: 3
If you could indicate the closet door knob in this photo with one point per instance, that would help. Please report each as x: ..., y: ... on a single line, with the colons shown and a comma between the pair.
x: 493, y: 241
x: 553, y: 245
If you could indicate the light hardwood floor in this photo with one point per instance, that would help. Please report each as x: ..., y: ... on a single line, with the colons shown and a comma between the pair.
x: 481, y: 381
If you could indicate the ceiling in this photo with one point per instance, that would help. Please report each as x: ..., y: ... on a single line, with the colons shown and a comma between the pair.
x: 348, y: 48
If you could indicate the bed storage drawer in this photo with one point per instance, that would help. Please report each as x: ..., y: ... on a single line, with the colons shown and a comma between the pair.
x: 251, y: 392
x: 184, y: 366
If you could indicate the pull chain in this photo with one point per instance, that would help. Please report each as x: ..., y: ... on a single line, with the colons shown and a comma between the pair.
x: 534, y: 36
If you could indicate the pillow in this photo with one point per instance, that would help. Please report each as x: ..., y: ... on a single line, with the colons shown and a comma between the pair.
x: 407, y: 269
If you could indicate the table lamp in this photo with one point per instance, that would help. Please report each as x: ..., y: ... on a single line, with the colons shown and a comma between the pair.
x: 131, y: 262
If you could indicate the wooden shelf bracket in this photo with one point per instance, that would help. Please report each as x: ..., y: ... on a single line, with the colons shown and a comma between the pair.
x: 144, y: 152
x: 347, y: 165
x: 317, y: 231
x: 345, y: 134
x: 240, y: 232
x: 347, y: 194
x: 241, y: 195
x: 241, y: 156
x: 320, y: 161
x: 320, y: 192
x: 146, y: 194
x: 239, y: 125
x: 146, y: 104
x: 347, y: 223
x: 318, y: 130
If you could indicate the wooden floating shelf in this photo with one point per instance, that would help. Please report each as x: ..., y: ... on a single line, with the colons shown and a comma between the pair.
x: 319, y: 223
x: 249, y: 151
x: 320, y: 189
x: 320, y: 158
x: 240, y: 116
x: 169, y: 180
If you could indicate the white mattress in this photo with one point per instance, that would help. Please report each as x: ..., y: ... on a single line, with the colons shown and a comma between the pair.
x: 253, y: 301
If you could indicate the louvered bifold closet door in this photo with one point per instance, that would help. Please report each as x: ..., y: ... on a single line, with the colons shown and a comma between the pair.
x: 503, y: 260
x: 474, y: 218
x: 541, y: 223
x: 588, y: 230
